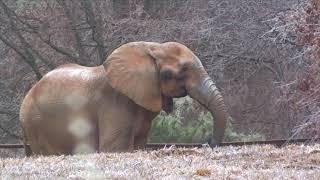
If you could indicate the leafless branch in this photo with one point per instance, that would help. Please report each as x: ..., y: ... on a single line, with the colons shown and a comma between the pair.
x: 95, y: 22
x: 72, y: 27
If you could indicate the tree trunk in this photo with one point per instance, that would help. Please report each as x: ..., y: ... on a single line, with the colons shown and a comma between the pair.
x: 316, y: 4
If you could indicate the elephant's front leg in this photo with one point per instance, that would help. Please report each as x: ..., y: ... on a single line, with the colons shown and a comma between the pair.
x: 140, y: 142
x: 142, y: 127
x: 116, y: 132
x: 141, y: 133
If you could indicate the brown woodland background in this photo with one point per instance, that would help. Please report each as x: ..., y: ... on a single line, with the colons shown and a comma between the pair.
x: 264, y: 55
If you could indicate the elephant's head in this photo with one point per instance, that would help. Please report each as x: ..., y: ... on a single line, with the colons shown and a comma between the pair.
x: 151, y: 74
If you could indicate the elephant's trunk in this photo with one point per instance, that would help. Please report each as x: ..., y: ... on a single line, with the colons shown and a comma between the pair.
x: 207, y: 94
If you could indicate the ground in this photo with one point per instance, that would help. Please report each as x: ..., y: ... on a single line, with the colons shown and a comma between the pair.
x: 246, y: 162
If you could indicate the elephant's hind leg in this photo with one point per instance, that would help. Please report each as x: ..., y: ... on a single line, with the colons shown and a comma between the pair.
x: 27, y: 148
x: 35, y: 137
x: 29, y: 115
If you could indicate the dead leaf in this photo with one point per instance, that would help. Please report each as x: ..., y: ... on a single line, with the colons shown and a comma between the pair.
x: 203, y: 172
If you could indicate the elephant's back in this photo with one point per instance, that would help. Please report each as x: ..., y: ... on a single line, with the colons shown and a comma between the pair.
x: 67, y: 87
x: 64, y: 89
x: 72, y: 73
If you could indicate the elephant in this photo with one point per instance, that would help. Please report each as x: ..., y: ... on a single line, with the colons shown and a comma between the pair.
x: 109, y: 108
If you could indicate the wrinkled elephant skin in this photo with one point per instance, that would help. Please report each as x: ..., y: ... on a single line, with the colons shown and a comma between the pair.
x: 77, y: 109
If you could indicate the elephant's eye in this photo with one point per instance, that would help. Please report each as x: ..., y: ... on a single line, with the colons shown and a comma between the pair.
x: 184, y: 67
x: 166, y: 74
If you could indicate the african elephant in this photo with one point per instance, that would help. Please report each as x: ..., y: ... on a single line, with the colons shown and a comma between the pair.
x: 110, y: 107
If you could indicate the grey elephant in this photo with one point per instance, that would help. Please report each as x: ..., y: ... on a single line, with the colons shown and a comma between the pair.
x: 110, y: 107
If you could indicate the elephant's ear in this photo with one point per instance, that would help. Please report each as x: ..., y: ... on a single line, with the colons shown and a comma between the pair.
x: 132, y: 70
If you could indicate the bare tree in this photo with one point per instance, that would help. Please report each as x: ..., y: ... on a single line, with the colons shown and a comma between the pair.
x: 244, y: 45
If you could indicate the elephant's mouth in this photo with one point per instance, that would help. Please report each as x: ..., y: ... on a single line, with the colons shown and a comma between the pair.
x: 174, y: 93
x: 182, y: 93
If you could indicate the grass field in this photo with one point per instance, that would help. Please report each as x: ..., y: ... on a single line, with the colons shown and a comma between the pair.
x: 246, y: 162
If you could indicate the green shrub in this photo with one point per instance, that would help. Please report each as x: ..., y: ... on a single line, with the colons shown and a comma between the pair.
x: 188, y: 124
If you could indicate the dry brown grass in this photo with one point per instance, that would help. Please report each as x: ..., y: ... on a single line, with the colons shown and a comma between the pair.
x: 247, y: 162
